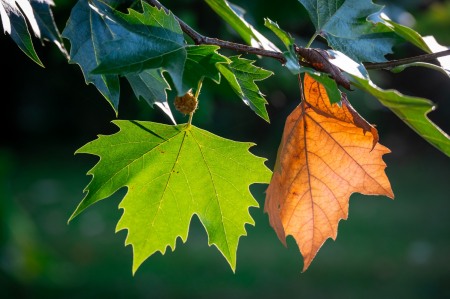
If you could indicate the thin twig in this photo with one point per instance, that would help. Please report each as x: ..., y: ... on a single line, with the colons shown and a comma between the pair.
x: 204, y: 40
x: 398, y: 62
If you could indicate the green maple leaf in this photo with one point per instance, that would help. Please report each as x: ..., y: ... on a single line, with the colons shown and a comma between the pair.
x: 346, y: 27
x: 172, y: 173
x: 242, y: 74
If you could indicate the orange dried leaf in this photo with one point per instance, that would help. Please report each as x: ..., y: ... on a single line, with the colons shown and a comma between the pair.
x: 327, y: 153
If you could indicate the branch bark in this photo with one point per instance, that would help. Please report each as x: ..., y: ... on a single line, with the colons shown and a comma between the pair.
x: 200, y: 39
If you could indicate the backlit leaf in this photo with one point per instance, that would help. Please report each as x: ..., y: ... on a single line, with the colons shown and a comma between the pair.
x: 172, y: 173
x: 234, y: 16
x: 202, y: 63
x: 327, y: 153
x: 14, y: 16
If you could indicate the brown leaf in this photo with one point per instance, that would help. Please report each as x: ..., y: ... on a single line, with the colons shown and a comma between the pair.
x: 327, y: 153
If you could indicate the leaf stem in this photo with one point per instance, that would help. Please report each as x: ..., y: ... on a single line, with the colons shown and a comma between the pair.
x: 197, y: 93
x: 311, y: 40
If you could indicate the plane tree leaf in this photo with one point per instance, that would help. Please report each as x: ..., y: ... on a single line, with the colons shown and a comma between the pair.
x: 151, y: 86
x: 172, y: 173
x: 202, y: 62
x: 411, y: 110
x: 147, y: 40
x: 327, y: 152
x: 87, y: 31
x: 14, y: 16
x: 46, y: 22
x: 18, y: 16
x: 234, y: 16
x: 346, y: 27
x: 241, y: 74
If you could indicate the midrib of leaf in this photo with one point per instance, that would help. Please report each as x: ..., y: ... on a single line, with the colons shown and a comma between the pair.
x: 166, y: 187
x: 216, y: 197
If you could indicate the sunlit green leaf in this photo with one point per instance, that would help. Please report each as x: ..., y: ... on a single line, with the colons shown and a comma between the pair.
x: 234, y: 16
x: 172, y: 173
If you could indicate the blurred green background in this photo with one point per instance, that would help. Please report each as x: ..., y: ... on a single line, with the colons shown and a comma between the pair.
x: 387, y: 249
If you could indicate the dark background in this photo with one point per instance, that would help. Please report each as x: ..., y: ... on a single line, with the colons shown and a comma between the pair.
x: 387, y: 249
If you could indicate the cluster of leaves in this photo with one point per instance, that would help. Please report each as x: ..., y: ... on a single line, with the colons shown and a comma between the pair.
x: 328, y: 151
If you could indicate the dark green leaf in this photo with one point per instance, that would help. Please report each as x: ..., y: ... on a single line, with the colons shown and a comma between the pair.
x: 202, y: 62
x: 148, y: 40
x: 87, y: 31
x: 346, y: 27
x: 46, y: 23
x: 14, y: 22
x: 151, y: 86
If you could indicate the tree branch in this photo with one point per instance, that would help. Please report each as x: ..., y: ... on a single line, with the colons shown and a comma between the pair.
x: 398, y: 62
x: 204, y: 40
x: 301, y: 52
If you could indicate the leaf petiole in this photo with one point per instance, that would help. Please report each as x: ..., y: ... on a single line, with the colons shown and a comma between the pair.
x: 311, y: 40
x: 197, y: 93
